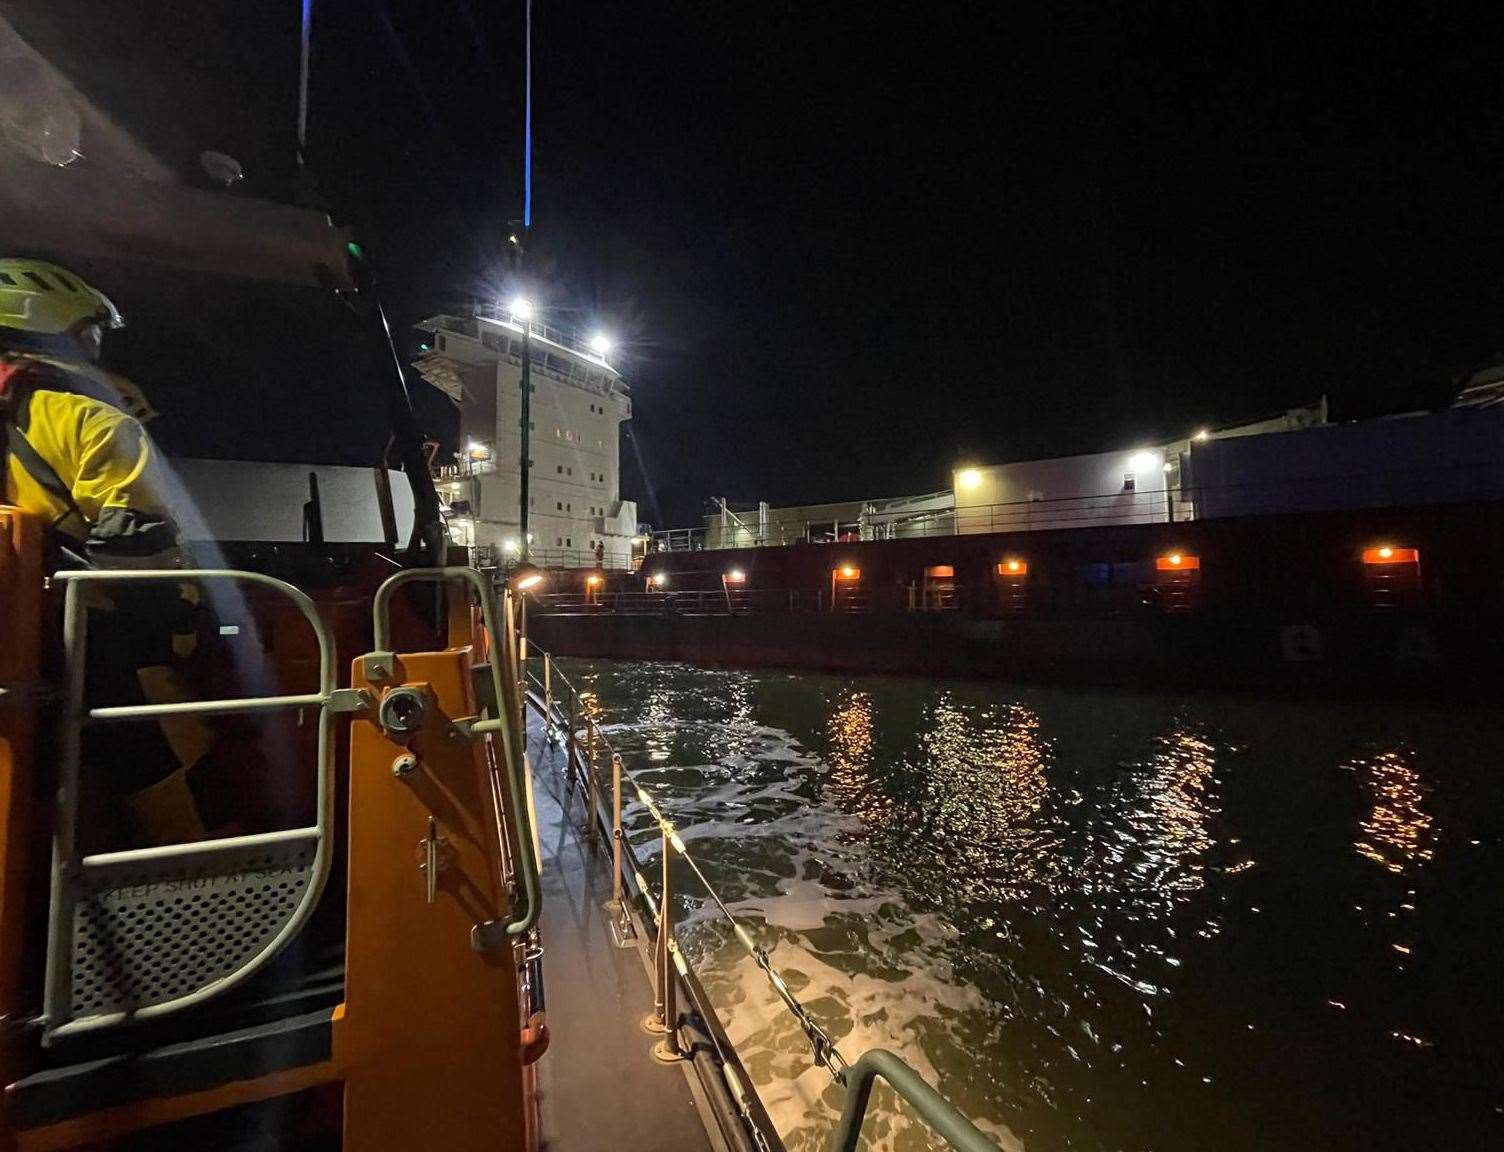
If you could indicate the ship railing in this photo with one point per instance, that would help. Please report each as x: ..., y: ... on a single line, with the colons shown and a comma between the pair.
x: 732, y: 601
x: 1175, y: 503
x: 565, y: 713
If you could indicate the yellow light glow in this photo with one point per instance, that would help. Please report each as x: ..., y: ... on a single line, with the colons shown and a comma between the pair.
x: 660, y: 579
x: 1204, y: 434
x: 736, y: 576
x: 594, y: 579
x: 848, y: 572
x: 969, y: 478
x: 1390, y: 554
x: 531, y: 580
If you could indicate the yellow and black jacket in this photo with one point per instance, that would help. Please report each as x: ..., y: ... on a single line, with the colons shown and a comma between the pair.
x: 81, y: 463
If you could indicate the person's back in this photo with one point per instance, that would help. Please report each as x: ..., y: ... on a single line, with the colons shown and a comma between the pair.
x: 77, y: 456
x: 81, y: 464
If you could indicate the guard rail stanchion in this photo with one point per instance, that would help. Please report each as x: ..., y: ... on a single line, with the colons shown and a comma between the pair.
x: 617, y: 899
x: 548, y: 694
x: 665, y: 998
x: 592, y: 801
x: 572, y: 745
x: 621, y: 919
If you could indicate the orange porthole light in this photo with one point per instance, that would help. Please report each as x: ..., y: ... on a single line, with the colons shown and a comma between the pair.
x: 1013, y: 567
x: 848, y: 572
x: 1178, y: 562
x: 593, y: 579
x: 736, y: 576
x: 1389, y: 554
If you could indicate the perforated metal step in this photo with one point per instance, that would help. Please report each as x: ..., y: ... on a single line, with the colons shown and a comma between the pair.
x: 148, y: 933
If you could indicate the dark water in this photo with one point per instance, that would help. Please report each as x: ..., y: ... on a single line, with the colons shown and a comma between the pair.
x: 1098, y: 920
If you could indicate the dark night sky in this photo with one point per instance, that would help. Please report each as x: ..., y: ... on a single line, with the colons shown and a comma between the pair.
x: 848, y: 247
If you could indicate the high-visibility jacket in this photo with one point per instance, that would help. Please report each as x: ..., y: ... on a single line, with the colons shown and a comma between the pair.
x: 81, y: 464
x: 88, y: 469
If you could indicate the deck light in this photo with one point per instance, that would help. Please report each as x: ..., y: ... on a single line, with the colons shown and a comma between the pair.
x: 1013, y: 566
x: 1389, y: 554
x: 1178, y: 562
x: 600, y: 344
x: 1203, y: 434
x: 736, y: 576
x: 1142, y: 462
x: 521, y: 308
x: 593, y: 579
x: 525, y: 577
x: 849, y: 572
x: 969, y: 478
x: 659, y: 579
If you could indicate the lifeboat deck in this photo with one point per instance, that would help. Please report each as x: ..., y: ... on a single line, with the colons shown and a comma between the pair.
x: 598, y: 1084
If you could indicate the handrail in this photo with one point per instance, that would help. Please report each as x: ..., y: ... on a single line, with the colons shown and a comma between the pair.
x: 933, y: 1108
x: 512, y: 777
x: 1180, y: 502
x: 857, y: 1079
x: 67, y: 867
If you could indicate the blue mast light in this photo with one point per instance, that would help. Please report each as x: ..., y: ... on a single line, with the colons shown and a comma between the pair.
x: 527, y: 125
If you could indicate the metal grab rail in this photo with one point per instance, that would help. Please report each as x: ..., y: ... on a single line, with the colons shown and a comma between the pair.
x: 72, y: 876
x: 857, y: 1079
x: 933, y: 1108
x: 511, y: 776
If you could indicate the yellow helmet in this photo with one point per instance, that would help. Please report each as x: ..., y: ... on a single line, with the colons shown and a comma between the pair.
x: 42, y: 298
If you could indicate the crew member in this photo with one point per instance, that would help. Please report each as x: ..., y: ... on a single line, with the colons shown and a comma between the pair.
x: 74, y: 453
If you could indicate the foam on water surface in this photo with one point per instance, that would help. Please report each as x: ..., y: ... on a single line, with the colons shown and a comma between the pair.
x: 1085, y: 917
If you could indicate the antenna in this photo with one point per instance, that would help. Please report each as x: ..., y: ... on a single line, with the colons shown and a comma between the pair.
x: 307, y: 35
x: 527, y: 120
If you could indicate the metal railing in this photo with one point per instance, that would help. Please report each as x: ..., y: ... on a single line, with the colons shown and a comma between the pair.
x: 1176, y: 504
x: 514, y: 785
x: 511, y: 327
x: 577, y: 558
x: 93, y: 894
x: 465, y: 469
x: 689, y: 602
x: 669, y: 961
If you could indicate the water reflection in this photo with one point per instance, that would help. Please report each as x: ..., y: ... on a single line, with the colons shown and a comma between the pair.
x: 1149, y: 842
x: 1397, y: 832
x: 848, y: 734
x: 983, y: 787
x: 657, y: 721
x: 1173, y: 806
x: 740, y: 733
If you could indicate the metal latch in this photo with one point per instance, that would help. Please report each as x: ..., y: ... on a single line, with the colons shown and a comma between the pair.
x: 350, y: 700
x: 434, y: 855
